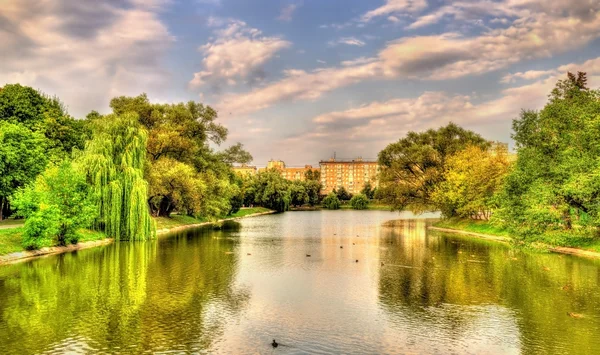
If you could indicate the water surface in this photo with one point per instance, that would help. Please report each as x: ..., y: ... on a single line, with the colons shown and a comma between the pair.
x: 368, y: 287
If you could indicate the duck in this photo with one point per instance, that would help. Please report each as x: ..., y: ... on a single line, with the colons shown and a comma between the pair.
x: 274, y: 344
x: 308, y: 255
x: 341, y: 247
x: 356, y: 260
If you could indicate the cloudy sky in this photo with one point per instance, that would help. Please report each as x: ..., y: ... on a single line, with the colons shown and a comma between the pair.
x: 299, y: 79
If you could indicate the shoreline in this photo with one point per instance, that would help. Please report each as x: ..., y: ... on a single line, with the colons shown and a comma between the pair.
x: 48, y: 251
x: 558, y: 250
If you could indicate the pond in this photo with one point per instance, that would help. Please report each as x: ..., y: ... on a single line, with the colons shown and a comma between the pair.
x: 369, y: 286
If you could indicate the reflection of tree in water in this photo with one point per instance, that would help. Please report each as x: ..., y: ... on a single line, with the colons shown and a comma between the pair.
x: 176, y: 293
x: 426, y: 272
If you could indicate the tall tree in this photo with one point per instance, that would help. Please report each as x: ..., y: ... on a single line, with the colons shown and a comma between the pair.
x: 412, y: 167
x: 22, y: 158
x: 113, y: 161
x: 472, y: 179
x: 555, y: 184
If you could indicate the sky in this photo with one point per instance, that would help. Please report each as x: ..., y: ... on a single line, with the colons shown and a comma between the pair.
x: 298, y: 80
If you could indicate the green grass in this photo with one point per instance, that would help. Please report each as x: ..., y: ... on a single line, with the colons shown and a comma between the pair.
x: 475, y: 226
x: 10, y: 239
x: 555, y: 238
x: 11, y: 222
x: 177, y: 220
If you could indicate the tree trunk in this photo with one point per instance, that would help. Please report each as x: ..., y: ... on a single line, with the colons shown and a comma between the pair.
x: 1, y: 208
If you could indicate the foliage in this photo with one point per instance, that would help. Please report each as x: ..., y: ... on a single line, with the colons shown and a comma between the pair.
x: 331, y: 201
x: 313, y: 190
x: 554, y: 187
x: 368, y: 190
x: 178, y: 143
x: 412, y: 168
x: 22, y: 158
x: 55, y: 207
x: 343, y: 194
x: 312, y: 175
x: 113, y: 162
x: 472, y: 178
x: 298, y: 193
x: 359, y: 202
x: 271, y: 190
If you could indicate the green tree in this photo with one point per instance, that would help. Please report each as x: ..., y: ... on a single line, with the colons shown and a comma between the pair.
x: 58, y: 204
x: 113, y: 162
x: 413, y: 167
x: 298, y: 193
x: 272, y: 191
x: 331, y: 202
x: 312, y: 175
x: 554, y: 186
x: 343, y: 194
x: 472, y: 179
x: 368, y: 190
x: 313, y: 189
x: 359, y: 202
x: 22, y: 158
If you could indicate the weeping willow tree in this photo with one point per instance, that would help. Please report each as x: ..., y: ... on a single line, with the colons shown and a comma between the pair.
x: 113, y: 161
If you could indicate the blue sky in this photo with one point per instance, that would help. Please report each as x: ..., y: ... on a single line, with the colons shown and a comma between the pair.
x: 299, y: 79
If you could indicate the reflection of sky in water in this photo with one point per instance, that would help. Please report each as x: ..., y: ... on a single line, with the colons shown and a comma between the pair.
x: 411, y: 291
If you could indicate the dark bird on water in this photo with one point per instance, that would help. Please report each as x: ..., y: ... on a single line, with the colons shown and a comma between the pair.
x: 356, y: 260
x: 274, y: 344
x: 341, y: 247
x: 308, y: 255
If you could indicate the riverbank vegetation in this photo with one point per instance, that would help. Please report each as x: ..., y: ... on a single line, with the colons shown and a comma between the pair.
x: 548, y: 192
x: 105, y: 175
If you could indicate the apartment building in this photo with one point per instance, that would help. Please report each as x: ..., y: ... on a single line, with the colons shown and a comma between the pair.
x: 351, y: 174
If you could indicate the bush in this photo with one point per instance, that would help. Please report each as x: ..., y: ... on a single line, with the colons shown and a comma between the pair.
x: 359, y: 202
x: 331, y: 202
x: 55, y: 207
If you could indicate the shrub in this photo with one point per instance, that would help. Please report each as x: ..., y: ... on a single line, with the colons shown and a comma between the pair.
x: 55, y: 207
x: 331, y: 202
x: 359, y: 202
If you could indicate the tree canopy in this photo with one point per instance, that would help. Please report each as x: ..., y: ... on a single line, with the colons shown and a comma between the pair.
x: 412, y: 168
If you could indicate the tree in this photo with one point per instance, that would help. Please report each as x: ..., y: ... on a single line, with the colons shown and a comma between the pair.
x: 313, y: 190
x: 174, y: 184
x: 22, y: 158
x: 368, y: 190
x: 182, y: 133
x: 271, y: 190
x: 312, y: 175
x: 113, y: 162
x: 359, y: 202
x: 554, y: 185
x: 472, y: 179
x: 331, y: 202
x: 58, y: 204
x: 413, y: 167
x: 298, y: 193
x: 343, y: 194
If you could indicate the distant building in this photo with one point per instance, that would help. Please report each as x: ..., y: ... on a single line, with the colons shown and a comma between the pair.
x: 351, y: 174
x: 276, y: 164
x: 297, y: 173
x: 245, y: 170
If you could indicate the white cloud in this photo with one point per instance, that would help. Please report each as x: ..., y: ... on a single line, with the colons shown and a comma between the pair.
x: 528, y: 75
x: 287, y: 12
x: 440, y: 57
x: 350, y: 41
x: 238, y: 53
x: 396, y: 7
x: 85, y: 54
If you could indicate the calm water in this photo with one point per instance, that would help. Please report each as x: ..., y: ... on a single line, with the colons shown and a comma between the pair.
x: 233, y: 291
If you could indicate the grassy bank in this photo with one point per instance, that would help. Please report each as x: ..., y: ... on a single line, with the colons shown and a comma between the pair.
x: 550, y: 239
x: 180, y: 220
x: 347, y: 206
x: 10, y: 239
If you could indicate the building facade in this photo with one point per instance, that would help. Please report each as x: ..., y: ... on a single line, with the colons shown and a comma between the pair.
x: 245, y: 170
x: 351, y: 174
